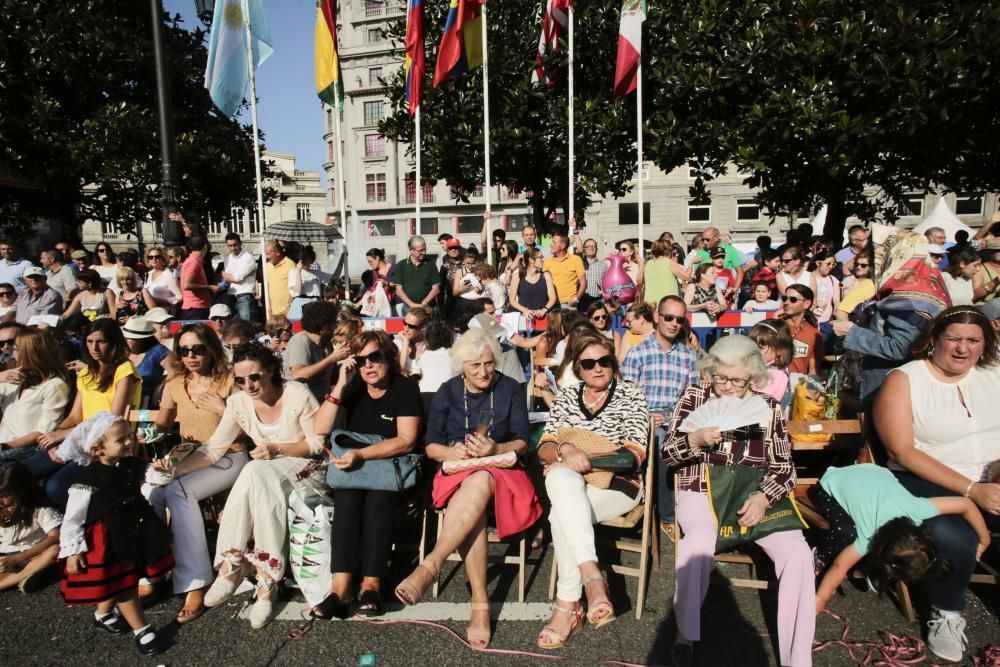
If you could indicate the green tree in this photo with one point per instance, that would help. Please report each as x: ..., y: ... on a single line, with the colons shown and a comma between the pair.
x: 78, y: 121
x: 820, y: 100
x: 528, y: 124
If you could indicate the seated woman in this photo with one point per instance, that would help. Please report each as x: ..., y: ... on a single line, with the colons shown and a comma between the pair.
x: 410, y: 342
x: 146, y: 354
x: 35, y: 401
x: 616, y: 410
x: 106, y: 382
x: 195, y: 399
x: 93, y: 300
x: 279, y: 420
x: 731, y: 365
x: 453, y: 435
x: 378, y: 401
x: 939, y: 421
x: 638, y: 324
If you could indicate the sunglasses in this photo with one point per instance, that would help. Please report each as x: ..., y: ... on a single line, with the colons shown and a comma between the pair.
x: 102, y: 251
x: 196, y: 350
x: 792, y: 299
x: 672, y: 318
x: 9, y: 342
x: 409, y: 325
x: 589, y: 364
x: 6, y: 293
x: 375, y: 357
x: 154, y: 256
x: 739, y: 383
x: 861, y: 266
x: 253, y: 377
x: 787, y: 260
x: 624, y: 248
x: 599, y: 317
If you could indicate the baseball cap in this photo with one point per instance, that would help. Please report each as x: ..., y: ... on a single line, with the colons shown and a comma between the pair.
x: 717, y: 252
x: 219, y: 310
x: 34, y: 271
x: 158, y: 315
x: 78, y: 254
x: 452, y: 243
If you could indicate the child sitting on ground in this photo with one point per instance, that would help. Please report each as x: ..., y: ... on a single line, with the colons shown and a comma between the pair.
x: 761, y: 299
x: 111, y: 536
x: 871, y: 514
x: 774, y: 339
x: 29, y: 533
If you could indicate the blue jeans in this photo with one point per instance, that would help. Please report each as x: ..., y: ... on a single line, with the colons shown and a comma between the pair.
x: 664, y: 479
x: 58, y: 477
x: 243, y: 307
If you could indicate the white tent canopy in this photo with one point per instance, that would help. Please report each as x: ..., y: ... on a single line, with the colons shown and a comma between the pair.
x: 942, y: 217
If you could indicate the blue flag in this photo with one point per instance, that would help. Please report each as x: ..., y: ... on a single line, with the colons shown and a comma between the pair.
x: 227, y: 75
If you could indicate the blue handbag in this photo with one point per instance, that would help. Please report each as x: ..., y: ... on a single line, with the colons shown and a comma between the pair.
x: 396, y: 474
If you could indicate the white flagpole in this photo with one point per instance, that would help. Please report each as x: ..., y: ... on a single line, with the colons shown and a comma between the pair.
x: 572, y: 136
x: 486, y: 139
x: 640, y: 252
x: 341, y: 191
x: 256, y: 152
x: 419, y: 188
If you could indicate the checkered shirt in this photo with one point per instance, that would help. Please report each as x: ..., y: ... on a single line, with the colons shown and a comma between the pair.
x: 662, y: 376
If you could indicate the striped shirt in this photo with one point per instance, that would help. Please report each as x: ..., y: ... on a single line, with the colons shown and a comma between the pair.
x: 595, y: 275
x: 662, y: 376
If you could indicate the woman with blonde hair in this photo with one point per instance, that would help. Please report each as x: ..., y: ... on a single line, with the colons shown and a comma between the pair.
x: 161, y: 288
x: 634, y: 262
x: 129, y: 302
x: 638, y: 325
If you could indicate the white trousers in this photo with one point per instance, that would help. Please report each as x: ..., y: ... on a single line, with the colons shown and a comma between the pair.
x: 576, y: 507
x: 193, y: 566
x: 255, y: 520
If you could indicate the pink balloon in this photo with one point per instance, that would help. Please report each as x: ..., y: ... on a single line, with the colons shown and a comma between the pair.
x: 617, y: 282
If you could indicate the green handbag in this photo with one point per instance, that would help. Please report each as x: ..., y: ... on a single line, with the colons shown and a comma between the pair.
x: 728, y: 488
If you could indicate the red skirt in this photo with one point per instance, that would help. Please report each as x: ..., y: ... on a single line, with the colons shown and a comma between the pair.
x: 515, y: 504
x: 104, y: 578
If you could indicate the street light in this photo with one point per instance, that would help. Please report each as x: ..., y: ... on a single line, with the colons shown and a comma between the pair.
x: 204, y: 9
x: 168, y: 147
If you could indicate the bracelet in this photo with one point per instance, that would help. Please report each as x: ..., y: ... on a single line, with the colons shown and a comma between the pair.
x: 559, y: 452
x: 330, y: 398
x: 968, y: 489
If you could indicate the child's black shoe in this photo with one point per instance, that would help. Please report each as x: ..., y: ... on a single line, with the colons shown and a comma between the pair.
x: 112, y: 623
x: 146, y: 644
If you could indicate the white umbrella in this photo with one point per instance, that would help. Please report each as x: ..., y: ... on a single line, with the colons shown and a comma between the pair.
x: 942, y: 217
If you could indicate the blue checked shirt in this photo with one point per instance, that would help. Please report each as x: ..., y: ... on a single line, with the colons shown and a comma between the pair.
x: 662, y: 376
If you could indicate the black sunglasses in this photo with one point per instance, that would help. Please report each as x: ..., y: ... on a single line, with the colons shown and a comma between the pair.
x: 785, y: 260
x: 253, y: 377
x: 6, y: 293
x: 589, y: 364
x: 411, y: 326
x: 672, y: 318
x: 792, y: 299
x: 375, y: 357
x: 861, y: 266
x: 196, y: 350
x: 9, y: 342
x: 154, y: 256
x: 598, y: 317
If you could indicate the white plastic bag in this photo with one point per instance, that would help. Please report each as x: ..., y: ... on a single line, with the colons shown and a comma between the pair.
x: 310, y: 518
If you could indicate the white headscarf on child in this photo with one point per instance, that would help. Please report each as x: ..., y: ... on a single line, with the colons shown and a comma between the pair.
x: 76, y: 446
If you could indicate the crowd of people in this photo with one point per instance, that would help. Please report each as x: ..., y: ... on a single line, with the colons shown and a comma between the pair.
x: 270, y: 383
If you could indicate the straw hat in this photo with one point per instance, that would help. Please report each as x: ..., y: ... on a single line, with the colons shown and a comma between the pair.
x: 137, y: 328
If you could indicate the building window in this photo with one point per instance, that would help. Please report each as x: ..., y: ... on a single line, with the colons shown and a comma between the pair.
x: 628, y: 214
x: 470, y: 224
x: 374, y: 112
x: 411, y: 191
x: 645, y: 174
x: 374, y: 35
x: 254, y: 222
x: 911, y: 205
x: 374, y: 74
x: 968, y: 205
x: 375, y: 187
x: 699, y: 212
x: 385, y: 227
x: 329, y: 120
x: 516, y: 223
x: 374, y: 145
x: 374, y: 8
x: 428, y: 226
x: 303, y: 212
x: 108, y: 228
x: 746, y: 211
x: 478, y: 190
x: 329, y: 151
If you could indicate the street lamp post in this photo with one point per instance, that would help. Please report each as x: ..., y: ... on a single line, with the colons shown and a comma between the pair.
x: 168, y: 147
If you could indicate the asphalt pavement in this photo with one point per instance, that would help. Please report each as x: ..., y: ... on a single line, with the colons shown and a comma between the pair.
x: 39, y: 630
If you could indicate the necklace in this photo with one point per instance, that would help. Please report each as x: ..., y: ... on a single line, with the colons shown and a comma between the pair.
x: 592, y: 404
x: 465, y: 404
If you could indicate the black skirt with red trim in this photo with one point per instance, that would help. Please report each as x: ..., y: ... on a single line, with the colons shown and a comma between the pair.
x: 105, y: 578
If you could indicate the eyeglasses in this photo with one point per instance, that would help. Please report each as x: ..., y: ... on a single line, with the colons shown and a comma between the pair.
x: 786, y: 260
x: 599, y: 317
x: 196, y: 350
x: 672, y: 318
x: 624, y: 248
x: 7, y: 342
x: 374, y: 358
x: 828, y: 263
x: 253, y: 377
x: 589, y: 364
x: 723, y: 380
x: 792, y: 299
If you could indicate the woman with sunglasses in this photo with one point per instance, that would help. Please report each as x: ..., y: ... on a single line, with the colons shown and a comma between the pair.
x: 93, y: 300
x: 278, y: 419
x: 106, y: 265
x: 827, y: 287
x: 634, y: 262
x: 161, y: 288
x: 616, y: 410
x: 195, y: 399
x: 379, y: 401
x: 510, y: 262
x: 797, y: 303
x: 7, y: 297
x: 638, y: 325
x: 793, y: 270
x: 410, y: 340
x: 599, y: 315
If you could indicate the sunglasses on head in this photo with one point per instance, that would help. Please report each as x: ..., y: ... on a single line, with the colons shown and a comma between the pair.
x: 672, y: 318
x: 196, y: 350
x: 253, y: 377
x: 792, y: 299
x: 589, y: 364
x: 375, y: 357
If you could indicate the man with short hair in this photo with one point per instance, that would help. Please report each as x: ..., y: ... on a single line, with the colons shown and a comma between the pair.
x: 67, y: 251
x: 713, y: 239
x: 240, y: 270
x: 529, y: 237
x: 59, y: 275
x: 417, y: 281
x: 443, y: 242
x: 857, y: 246
x: 498, y: 237
x: 991, y: 309
x: 276, y: 270
x: 37, y: 299
x: 196, y: 293
x: 663, y: 367
x: 594, y: 268
x: 936, y: 235
x: 309, y: 358
x: 12, y: 267
x: 568, y: 275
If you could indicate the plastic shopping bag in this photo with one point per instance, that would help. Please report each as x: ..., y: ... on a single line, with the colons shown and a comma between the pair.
x: 310, y: 518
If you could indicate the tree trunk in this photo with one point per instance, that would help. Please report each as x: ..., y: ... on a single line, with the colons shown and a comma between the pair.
x: 833, y: 227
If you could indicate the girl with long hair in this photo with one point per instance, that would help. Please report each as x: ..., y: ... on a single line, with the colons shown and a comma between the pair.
x: 93, y: 300
x: 532, y: 291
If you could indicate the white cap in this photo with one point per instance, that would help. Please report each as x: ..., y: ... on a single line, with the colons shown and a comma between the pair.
x: 158, y: 315
x: 935, y: 249
x: 219, y: 310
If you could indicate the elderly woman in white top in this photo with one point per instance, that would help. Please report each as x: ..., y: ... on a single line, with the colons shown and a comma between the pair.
x: 279, y: 420
x: 939, y: 421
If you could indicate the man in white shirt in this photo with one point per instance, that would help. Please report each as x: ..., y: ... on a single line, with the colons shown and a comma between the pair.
x: 240, y: 270
x: 12, y: 267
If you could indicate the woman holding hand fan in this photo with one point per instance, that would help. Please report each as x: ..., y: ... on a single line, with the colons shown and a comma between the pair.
x: 745, y: 438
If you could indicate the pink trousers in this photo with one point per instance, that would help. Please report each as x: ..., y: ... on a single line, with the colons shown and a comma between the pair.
x: 792, y: 563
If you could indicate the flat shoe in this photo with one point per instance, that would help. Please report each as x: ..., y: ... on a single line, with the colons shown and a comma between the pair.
x: 370, y: 603
x: 152, y: 647
x: 113, y: 624
x: 330, y: 608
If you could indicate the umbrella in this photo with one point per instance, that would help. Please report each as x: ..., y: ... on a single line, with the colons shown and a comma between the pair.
x: 300, y: 231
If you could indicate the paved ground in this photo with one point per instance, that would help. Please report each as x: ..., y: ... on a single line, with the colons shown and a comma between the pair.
x: 39, y: 630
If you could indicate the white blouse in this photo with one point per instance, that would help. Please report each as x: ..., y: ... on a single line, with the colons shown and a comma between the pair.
x: 17, y: 538
x: 39, y: 408
x: 164, y: 287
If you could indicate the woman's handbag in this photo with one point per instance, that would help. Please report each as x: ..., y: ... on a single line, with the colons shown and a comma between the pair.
x: 396, y: 474
x: 729, y: 486
x: 593, y: 445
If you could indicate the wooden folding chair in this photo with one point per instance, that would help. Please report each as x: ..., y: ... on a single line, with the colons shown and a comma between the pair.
x: 641, y: 515
x: 519, y: 558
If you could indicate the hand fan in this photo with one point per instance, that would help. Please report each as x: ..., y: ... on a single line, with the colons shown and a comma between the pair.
x: 727, y: 414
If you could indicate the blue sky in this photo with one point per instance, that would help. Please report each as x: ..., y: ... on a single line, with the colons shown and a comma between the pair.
x: 288, y: 110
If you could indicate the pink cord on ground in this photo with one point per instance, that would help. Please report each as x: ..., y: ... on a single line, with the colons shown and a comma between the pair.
x: 898, y: 652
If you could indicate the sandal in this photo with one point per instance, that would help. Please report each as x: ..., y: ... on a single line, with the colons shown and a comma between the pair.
x: 669, y: 529
x: 194, y: 606
x: 370, y: 603
x: 477, y: 637
x: 550, y: 639
x: 593, y: 610
x: 330, y: 608
x: 539, y: 539
x: 411, y: 589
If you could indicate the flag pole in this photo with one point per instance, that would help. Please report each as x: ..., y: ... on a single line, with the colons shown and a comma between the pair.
x: 572, y: 136
x: 419, y: 187
x: 486, y: 138
x: 256, y: 150
x: 641, y: 252
x: 341, y: 191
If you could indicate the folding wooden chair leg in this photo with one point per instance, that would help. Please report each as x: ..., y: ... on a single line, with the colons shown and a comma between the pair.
x: 437, y: 580
x: 553, y: 576
x: 522, y: 567
x: 905, y: 602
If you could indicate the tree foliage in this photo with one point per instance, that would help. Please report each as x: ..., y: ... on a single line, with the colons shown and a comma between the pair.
x: 819, y: 100
x: 528, y: 123
x: 78, y: 108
